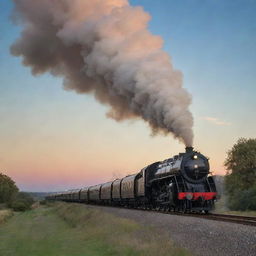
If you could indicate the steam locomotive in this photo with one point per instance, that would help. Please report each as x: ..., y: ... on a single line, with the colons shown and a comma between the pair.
x: 181, y: 183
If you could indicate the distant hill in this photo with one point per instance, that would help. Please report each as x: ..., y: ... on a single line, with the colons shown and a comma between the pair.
x: 39, y: 195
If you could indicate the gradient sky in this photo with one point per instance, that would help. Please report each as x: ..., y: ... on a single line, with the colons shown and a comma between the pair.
x: 52, y: 139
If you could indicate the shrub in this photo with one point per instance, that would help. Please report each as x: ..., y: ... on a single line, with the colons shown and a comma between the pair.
x: 19, y: 206
x: 243, y: 200
x: 22, y: 202
x: 43, y: 202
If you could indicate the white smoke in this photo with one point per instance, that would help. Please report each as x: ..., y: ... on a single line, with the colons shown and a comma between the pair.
x: 104, y: 47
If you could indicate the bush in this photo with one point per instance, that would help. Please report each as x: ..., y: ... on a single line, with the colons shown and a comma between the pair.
x: 243, y: 200
x: 43, y: 202
x: 19, y: 206
x: 22, y: 202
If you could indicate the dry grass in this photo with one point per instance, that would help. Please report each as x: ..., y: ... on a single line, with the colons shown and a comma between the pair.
x: 123, y: 234
x: 4, y: 215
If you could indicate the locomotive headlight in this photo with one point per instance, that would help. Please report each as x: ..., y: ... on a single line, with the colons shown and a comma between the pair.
x: 195, y: 157
x: 195, y: 166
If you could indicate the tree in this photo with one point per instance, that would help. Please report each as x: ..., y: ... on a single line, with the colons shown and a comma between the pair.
x: 240, y: 180
x: 8, y: 189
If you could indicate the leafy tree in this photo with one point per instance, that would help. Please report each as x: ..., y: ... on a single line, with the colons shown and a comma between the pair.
x: 8, y: 189
x: 240, y: 180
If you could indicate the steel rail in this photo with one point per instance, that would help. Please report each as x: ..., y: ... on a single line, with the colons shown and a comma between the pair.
x: 239, y: 219
x: 245, y: 220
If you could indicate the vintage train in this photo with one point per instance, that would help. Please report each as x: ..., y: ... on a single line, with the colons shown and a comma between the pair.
x: 181, y: 183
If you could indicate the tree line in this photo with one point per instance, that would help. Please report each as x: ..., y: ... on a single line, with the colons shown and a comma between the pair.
x: 12, y: 197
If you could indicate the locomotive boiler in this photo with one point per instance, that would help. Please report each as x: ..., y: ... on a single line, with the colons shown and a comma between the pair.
x: 181, y: 183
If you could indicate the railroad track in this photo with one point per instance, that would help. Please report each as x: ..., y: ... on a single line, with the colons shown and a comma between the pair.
x: 245, y: 220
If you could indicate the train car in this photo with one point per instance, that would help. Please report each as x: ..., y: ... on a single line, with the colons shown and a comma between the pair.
x: 106, y: 192
x: 116, y: 192
x: 181, y: 183
x: 63, y: 196
x: 128, y: 190
x: 75, y: 195
x: 50, y: 197
x: 84, y: 195
x: 67, y: 196
x: 94, y: 193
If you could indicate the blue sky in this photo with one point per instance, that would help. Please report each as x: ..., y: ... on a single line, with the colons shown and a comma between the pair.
x: 213, y: 43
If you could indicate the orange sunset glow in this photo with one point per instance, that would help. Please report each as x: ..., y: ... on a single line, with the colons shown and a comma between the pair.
x: 78, y: 106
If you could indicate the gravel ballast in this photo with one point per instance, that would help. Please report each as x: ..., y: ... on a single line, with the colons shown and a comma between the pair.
x: 200, y: 236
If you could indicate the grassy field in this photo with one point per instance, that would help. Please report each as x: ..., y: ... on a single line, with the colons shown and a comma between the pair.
x: 77, y: 230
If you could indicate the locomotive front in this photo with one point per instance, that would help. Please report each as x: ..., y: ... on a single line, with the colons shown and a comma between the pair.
x: 198, y: 191
x: 194, y: 166
x: 184, y: 182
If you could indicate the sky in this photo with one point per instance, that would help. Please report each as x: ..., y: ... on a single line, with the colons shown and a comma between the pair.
x: 52, y: 139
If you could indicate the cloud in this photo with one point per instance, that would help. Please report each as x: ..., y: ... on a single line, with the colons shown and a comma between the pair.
x: 216, y: 121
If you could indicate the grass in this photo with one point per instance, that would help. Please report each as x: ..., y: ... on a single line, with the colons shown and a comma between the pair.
x: 79, y: 230
x: 221, y: 207
x: 4, y: 215
x: 247, y: 213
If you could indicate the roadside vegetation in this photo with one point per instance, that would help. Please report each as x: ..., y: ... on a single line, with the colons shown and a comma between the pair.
x: 79, y: 230
x: 221, y: 207
x: 240, y: 181
x: 10, y: 197
x: 4, y: 215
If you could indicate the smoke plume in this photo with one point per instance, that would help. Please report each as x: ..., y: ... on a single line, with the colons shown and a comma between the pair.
x: 103, y: 47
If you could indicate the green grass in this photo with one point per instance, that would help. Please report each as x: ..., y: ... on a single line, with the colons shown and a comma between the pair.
x: 78, y: 230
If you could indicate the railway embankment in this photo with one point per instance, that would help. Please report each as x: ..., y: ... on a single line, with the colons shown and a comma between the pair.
x: 202, y: 236
x: 74, y: 229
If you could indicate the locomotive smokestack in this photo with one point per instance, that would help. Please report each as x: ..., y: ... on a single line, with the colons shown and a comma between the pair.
x: 189, y: 149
